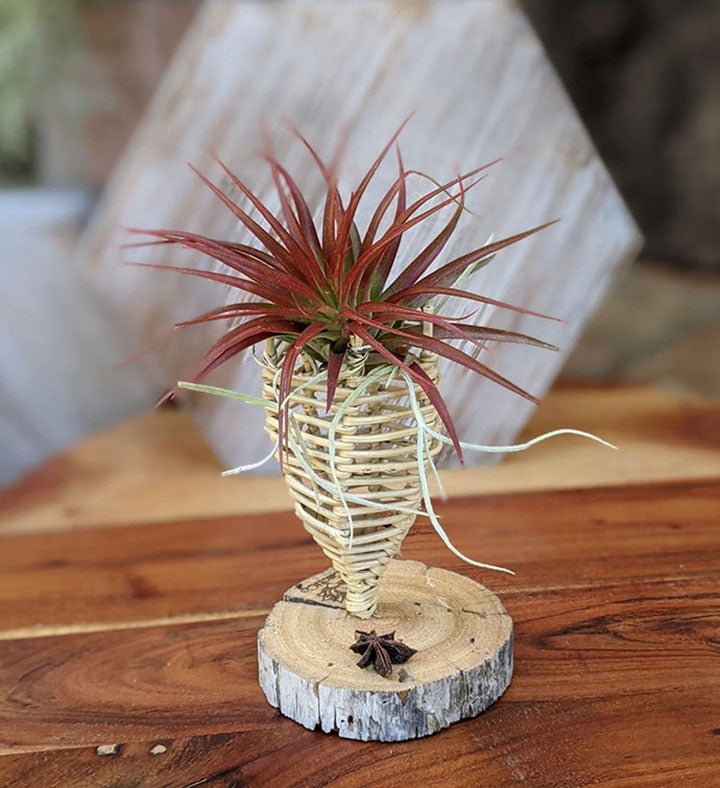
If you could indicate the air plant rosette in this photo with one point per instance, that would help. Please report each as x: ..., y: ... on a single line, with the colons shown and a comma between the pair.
x: 351, y: 326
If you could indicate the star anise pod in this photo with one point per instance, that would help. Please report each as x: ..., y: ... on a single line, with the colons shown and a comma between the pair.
x: 382, y: 651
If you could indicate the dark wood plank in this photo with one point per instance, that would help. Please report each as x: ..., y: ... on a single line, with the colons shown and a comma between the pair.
x: 620, y: 742
x: 629, y: 693
x: 131, y: 574
x: 617, y: 613
x: 105, y: 687
x: 240, y: 566
x: 201, y: 678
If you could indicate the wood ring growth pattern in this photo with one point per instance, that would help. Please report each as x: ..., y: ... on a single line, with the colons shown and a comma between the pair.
x: 463, y: 664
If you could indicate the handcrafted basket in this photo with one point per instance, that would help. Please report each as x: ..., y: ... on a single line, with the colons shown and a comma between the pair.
x: 375, y: 459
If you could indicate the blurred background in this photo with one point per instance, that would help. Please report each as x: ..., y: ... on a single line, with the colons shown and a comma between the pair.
x: 76, y: 75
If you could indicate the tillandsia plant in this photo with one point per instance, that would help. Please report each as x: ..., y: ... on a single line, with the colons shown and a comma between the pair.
x: 343, y: 323
x: 318, y: 287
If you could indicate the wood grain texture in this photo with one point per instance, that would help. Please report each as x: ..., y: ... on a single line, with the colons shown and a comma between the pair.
x: 157, y: 467
x: 461, y: 634
x: 616, y: 607
x: 133, y: 576
x: 623, y: 743
x: 482, y: 87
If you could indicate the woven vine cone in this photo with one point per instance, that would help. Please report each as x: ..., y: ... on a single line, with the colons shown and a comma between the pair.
x: 376, y: 458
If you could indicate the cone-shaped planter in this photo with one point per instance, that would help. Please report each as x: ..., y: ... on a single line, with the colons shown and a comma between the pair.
x: 353, y: 471
x: 355, y: 475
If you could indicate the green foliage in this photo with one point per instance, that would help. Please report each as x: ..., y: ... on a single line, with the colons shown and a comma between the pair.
x: 36, y: 38
x: 20, y: 46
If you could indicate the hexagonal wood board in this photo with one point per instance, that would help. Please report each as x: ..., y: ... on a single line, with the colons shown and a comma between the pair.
x: 481, y: 88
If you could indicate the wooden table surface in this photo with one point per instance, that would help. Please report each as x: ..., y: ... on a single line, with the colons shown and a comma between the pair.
x: 133, y: 582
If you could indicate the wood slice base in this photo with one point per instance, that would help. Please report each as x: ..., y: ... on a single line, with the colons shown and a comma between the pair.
x: 461, y: 631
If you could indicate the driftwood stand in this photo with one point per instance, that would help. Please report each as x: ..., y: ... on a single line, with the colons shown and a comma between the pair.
x: 464, y: 659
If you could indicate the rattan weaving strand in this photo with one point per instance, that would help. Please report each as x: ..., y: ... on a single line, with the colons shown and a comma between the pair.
x: 375, y: 459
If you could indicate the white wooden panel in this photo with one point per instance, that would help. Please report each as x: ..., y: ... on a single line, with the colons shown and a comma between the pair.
x: 481, y: 87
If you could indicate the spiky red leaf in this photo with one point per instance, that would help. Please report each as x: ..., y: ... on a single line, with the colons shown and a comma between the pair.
x: 289, y: 250
x: 446, y: 273
x: 418, y: 296
x: 479, y: 335
x: 440, y: 348
x: 334, y: 365
x: 417, y: 267
x: 372, y: 256
x: 423, y: 380
x: 261, y: 290
x: 344, y: 228
x: 286, y: 375
x: 235, y: 311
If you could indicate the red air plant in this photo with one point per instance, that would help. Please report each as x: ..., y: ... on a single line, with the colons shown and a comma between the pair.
x: 317, y: 286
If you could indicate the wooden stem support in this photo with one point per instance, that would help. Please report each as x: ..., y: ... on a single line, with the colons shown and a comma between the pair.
x: 463, y: 664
